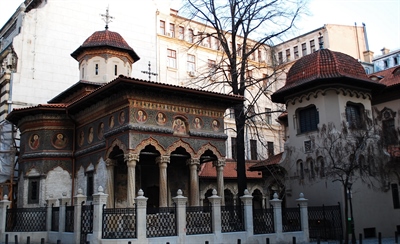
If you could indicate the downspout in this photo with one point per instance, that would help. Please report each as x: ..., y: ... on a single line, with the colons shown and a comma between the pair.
x: 365, y: 36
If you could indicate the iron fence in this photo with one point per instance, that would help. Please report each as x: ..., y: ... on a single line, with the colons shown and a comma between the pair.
x: 86, y: 222
x: 69, y: 218
x: 325, y: 222
x: 161, y: 222
x: 291, y: 219
x: 119, y: 223
x: 263, y: 220
x: 26, y: 219
x: 55, y: 216
x: 232, y: 218
x: 198, y: 220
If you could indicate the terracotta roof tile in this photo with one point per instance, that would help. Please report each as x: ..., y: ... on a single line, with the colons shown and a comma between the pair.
x: 270, y: 161
x: 388, y: 77
x: 207, y: 170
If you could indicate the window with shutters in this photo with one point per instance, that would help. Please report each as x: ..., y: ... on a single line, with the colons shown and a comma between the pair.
x: 33, y: 190
x: 354, y: 115
x: 308, y: 119
x: 270, y: 148
x: 190, y: 36
x: 171, y: 58
x: 162, y: 27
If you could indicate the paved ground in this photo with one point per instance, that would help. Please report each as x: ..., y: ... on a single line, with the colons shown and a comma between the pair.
x: 366, y: 241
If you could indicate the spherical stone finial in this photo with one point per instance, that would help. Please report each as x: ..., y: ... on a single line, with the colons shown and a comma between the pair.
x: 179, y: 192
x: 64, y: 194
x: 246, y: 192
x: 275, y: 195
x: 140, y: 193
x: 301, y: 195
x: 5, y: 197
x: 100, y: 189
x: 80, y: 191
x: 214, y: 192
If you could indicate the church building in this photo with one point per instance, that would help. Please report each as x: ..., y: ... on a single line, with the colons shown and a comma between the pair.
x: 121, y: 133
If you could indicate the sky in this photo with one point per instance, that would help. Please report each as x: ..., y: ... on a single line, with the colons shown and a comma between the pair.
x: 381, y: 17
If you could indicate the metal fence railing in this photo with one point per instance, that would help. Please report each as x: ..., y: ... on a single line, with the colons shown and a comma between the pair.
x: 119, y: 223
x: 232, y: 218
x: 26, y: 219
x: 291, y: 219
x: 325, y: 222
x: 69, y: 218
x: 198, y: 220
x: 86, y: 222
x: 161, y: 222
x: 263, y: 220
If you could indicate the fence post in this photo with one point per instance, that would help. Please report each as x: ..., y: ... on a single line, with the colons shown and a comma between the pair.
x: 215, y: 201
x: 4, y: 204
x: 247, y: 200
x: 180, y: 202
x: 79, y: 199
x: 50, y: 203
x: 99, y: 199
x: 277, y: 205
x: 64, y: 200
x: 141, y: 206
x: 304, y: 216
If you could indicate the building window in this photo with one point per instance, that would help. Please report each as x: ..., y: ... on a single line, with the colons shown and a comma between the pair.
x: 321, y: 42
x: 312, y: 46
x: 308, y: 119
x: 312, y: 168
x: 172, y: 30
x: 181, y: 31
x: 280, y: 57
x: 296, y: 52
x: 354, y: 115
x: 259, y: 55
x: 304, y: 49
x: 115, y: 70
x: 300, y: 169
x: 191, y: 63
x: 251, y: 112
x: 268, y: 116
x: 321, y: 167
x: 190, y: 36
x: 89, y: 185
x: 239, y: 50
x: 389, y: 131
x: 171, y: 58
x: 395, y: 61
x: 83, y: 73
x: 395, y: 195
x: 253, y: 149
x: 33, y: 190
x: 233, y: 148
x: 270, y: 148
x: 96, y: 69
x: 287, y: 55
x: 162, y: 27
x: 231, y: 113
x: 385, y: 64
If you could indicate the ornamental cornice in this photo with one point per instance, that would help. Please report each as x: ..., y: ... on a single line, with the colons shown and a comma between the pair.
x: 48, y: 117
x: 210, y: 147
x: 97, y: 146
x: 47, y: 155
x: 90, y: 53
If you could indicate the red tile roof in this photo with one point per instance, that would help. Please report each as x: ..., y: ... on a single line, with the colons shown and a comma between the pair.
x: 324, y: 68
x: 207, y: 170
x: 273, y: 160
x: 388, y: 77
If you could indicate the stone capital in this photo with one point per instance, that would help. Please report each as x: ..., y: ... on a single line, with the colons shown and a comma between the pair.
x: 193, y: 161
x: 163, y: 160
x: 110, y: 162
x: 131, y: 158
x: 219, y: 163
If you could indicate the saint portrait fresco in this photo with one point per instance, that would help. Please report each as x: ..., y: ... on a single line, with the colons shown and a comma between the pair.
x: 161, y: 118
x: 100, y: 131
x: 59, y: 140
x: 111, y: 122
x: 141, y: 116
x: 81, y: 138
x: 90, y: 135
x: 34, y: 141
x: 121, y: 117
x: 179, y: 126
x: 197, y: 123
x: 215, y: 125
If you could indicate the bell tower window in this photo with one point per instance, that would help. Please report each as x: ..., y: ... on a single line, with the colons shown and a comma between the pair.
x: 115, y: 70
x: 96, y: 69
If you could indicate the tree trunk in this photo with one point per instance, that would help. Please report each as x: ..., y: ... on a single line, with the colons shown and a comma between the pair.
x: 346, y: 214
x: 240, y: 145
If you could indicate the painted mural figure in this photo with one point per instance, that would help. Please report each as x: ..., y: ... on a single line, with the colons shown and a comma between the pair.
x: 197, y: 123
x: 161, y: 118
x: 90, y: 136
x: 81, y: 138
x: 215, y: 125
x: 179, y: 127
x: 34, y: 142
x: 100, y: 131
x: 60, y: 141
x: 122, y: 117
x: 111, y: 122
x: 141, y: 116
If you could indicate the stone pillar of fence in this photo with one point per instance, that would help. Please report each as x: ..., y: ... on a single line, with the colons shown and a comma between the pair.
x: 180, y: 202
x: 79, y: 199
x: 64, y: 201
x: 4, y: 204
x: 277, y: 205
x: 216, y: 215
x: 99, y: 199
x: 247, y: 200
x: 51, y: 202
x: 141, y: 205
x: 304, y: 215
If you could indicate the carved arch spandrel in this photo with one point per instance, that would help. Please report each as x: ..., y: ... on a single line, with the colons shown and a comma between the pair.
x: 150, y: 141
x: 210, y: 147
x: 118, y: 143
x: 183, y: 144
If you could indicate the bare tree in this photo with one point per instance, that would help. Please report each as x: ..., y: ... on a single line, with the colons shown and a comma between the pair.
x: 243, y: 30
x: 351, y: 155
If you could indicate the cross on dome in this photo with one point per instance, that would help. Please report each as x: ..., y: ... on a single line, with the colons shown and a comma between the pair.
x: 107, y: 18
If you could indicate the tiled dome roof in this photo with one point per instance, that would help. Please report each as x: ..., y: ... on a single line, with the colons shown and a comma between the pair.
x: 322, y: 68
x: 108, y: 39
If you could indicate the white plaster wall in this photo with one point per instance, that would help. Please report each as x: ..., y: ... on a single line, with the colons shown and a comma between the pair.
x: 57, y: 182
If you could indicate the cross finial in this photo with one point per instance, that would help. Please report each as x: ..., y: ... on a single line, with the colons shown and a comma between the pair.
x: 107, y: 18
x: 149, y: 72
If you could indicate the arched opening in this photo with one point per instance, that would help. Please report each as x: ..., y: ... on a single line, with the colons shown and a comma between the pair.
x: 208, y: 194
x: 257, y: 199
x: 229, y: 198
x: 120, y: 177
x: 147, y: 175
x: 178, y: 172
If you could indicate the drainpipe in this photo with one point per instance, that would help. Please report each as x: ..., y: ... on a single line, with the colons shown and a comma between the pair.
x: 365, y: 36
x: 358, y: 44
x: 9, y: 101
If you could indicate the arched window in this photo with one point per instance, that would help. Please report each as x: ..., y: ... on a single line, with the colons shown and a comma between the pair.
x: 354, y: 112
x: 321, y: 167
x: 308, y: 119
x: 310, y: 162
x: 300, y: 169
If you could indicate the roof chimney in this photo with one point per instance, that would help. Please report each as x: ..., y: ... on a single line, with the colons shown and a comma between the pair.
x: 385, y: 51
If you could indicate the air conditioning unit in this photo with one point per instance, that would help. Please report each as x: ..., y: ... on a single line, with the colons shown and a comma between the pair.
x: 191, y: 73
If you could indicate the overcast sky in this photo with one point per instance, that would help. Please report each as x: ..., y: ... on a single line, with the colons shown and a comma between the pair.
x: 381, y: 18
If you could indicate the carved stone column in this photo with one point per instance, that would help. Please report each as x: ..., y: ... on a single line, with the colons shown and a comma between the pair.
x: 194, y: 180
x: 110, y: 182
x: 131, y: 161
x: 220, y: 178
x: 163, y: 162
